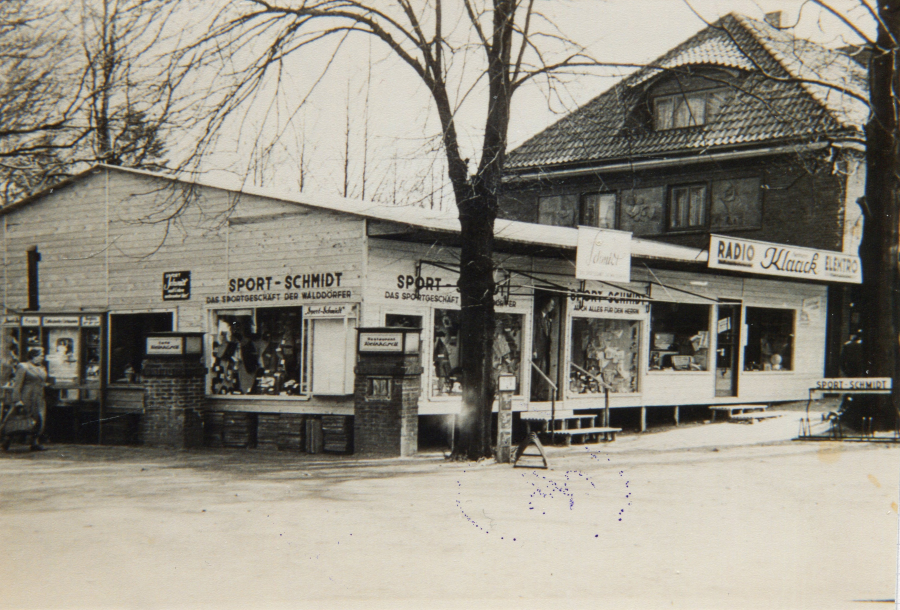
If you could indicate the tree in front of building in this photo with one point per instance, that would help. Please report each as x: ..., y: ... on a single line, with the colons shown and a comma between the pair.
x: 452, y: 49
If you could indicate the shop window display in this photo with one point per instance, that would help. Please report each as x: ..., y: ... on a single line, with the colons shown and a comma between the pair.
x: 72, y: 354
x: 679, y: 337
x: 604, y: 349
x: 506, y: 357
x: 259, y: 352
x: 770, y: 339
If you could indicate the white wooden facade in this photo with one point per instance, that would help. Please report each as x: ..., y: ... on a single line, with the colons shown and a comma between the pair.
x: 107, y: 238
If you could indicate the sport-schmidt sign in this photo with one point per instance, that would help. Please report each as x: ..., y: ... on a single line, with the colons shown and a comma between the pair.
x: 767, y: 258
x: 854, y: 384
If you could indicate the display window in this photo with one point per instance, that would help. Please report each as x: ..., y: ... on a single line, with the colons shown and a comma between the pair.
x: 604, y: 349
x: 259, y: 352
x: 770, y: 339
x: 71, y: 345
x: 506, y: 356
x: 283, y: 351
x: 679, y: 337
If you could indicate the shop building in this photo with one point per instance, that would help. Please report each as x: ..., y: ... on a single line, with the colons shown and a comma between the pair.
x: 278, y: 284
x: 728, y: 239
x: 720, y: 136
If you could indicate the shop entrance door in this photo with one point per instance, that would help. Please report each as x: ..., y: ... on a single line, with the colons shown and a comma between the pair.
x: 546, y: 344
x: 728, y: 328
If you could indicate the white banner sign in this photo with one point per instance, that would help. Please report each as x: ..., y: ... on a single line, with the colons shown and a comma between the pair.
x: 603, y: 254
x: 782, y: 260
x: 164, y: 345
x: 325, y: 311
x: 381, y: 342
x: 61, y: 320
x: 855, y: 384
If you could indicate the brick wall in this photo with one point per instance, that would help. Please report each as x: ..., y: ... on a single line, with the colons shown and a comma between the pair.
x: 801, y: 197
x: 387, y: 426
x: 174, y: 398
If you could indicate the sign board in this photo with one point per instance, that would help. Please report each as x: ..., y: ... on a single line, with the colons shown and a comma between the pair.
x: 157, y: 346
x: 603, y: 254
x: 854, y: 384
x: 781, y: 260
x: 381, y: 341
x: 31, y: 320
x: 506, y: 383
x: 61, y: 320
x: 176, y: 285
x: 326, y: 311
x: 90, y: 320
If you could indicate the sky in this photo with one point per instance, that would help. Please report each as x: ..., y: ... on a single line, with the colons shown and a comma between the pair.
x: 392, y: 123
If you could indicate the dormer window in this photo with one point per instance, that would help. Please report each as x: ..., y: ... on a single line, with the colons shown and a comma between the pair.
x: 680, y: 110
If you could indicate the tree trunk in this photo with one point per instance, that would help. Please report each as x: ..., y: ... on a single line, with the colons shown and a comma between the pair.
x: 878, y: 251
x: 476, y: 287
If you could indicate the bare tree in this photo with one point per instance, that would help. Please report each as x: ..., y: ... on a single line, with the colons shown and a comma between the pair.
x: 135, y: 76
x: 509, y: 40
x: 39, y: 97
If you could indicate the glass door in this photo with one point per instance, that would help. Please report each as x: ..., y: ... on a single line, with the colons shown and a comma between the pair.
x: 728, y: 327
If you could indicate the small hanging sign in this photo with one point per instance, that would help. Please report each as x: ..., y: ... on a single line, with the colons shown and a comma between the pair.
x: 603, y: 254
x: 176, y: 285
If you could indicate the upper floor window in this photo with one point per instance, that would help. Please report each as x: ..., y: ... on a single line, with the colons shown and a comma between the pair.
x: 558, y: 210
x: 598, y: 210
x: 687, y: 206
x: 685, y: 109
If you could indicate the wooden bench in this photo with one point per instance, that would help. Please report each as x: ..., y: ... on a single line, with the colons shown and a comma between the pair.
x: 609, y: 434
x: 733, y: 410
x: 568, y: 424
x: 754, y: 416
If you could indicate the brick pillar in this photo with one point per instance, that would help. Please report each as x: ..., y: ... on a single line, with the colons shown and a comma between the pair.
x: 175, y: 395
x: 386, y: 413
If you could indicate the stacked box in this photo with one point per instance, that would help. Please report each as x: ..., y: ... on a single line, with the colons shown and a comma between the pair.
x: 267, y: 431
x: 336, y: 432
x: 240, y: 430
x: 213, y: 429
x: 291, y: 430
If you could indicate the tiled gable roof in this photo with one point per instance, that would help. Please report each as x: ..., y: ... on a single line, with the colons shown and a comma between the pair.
x: 765, y: 102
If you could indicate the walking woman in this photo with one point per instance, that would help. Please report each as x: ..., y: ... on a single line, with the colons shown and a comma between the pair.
x: 28, y: 391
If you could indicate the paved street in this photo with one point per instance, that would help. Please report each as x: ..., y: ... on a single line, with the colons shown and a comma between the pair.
x: 704, y: 516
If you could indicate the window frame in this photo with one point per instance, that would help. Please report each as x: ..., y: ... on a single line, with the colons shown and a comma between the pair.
x: 304, y: 356
x: 654, y: 362
x: 672, y: 98
x: 671, y: 210
x: 788, y: 366
x: 582, y: 208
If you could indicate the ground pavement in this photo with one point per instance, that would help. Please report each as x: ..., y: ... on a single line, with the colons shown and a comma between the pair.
x: 720, y: 515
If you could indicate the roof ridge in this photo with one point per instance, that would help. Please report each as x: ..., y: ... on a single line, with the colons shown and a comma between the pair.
x: 791, y: 67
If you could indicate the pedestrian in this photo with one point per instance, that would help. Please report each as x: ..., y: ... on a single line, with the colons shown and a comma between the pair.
x: 28, y: 391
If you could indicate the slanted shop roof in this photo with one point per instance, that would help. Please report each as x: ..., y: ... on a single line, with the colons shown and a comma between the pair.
x: 780, y: 95
x: 414, y: 217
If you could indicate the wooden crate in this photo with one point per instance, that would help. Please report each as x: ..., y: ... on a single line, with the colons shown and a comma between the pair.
x: 337, y: 433
x: 314, y: 436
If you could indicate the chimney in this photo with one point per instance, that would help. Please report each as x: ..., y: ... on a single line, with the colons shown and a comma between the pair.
x: 774, y: 19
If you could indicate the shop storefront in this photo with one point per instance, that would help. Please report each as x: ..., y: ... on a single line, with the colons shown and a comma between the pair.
x: 279, y: 290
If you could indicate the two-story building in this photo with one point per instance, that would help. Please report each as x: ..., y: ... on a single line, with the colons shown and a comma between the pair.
x: 740, y: 132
